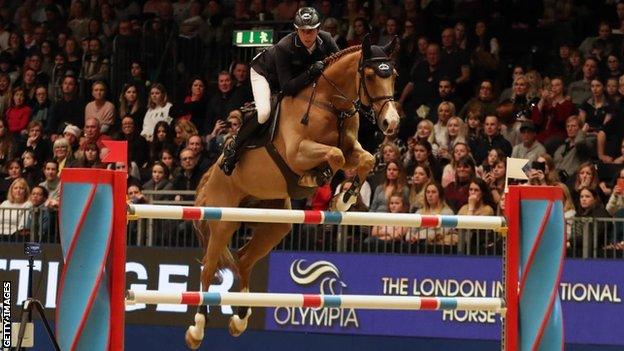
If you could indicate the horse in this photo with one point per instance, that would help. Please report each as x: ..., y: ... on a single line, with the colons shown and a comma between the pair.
x: 357, y: 81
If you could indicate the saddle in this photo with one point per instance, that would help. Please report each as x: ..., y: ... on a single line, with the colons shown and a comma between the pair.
x: 264, y: 136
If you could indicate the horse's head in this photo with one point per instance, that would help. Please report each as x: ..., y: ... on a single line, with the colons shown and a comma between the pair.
x: 376, y: 85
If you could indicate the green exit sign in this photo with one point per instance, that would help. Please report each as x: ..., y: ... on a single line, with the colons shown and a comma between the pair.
x: 251, y: 38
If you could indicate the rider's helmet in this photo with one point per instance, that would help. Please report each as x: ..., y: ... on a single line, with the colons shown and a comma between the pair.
x: 307, y: 18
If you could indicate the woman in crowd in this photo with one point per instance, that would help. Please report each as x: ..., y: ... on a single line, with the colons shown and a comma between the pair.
x: 100, y: 108
x: 480, y: 203
x: 73, y: 54
x: 448, y: 173
x: 29, y: 83
x: 590, y: 206
x: 550, y: 114
x: 168, y: 159
x: 184, y: 129
x: 496, y: 180
x: 395, y: 180
x: 159, y: 180
x: 597, y: 110
x: 420, y: 178
x: 434, y: 204
x: 422, y: 155
x: 385, y: 153
x: 14, y: 214
x: 5, y: 93
x: 457, y: 191
x: 391, y: 236
x: 163, y: 139
x: 484, y: 101
x: 92, y: 157
x: 195, y: 103
x: 474, y: 122
x: 136, y: 143
x: 13, y: 171
x: 130, y: 104
x: 493, y: 157
x: 7, y: 145
x: 446, y: 110
x: 42, y: 107
x: 19, y: 113
x: 587, y: 177
x: 63, y: 155
x: 456, y: 131
x: 31, y: 171
x: 159, y: 110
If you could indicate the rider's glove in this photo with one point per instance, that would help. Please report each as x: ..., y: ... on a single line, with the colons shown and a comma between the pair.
x: 316, y: 69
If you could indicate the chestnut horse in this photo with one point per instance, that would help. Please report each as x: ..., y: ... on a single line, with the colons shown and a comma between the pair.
x: 356, y: 81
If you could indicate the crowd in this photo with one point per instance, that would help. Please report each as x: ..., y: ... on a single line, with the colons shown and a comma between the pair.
x: 540, y: 80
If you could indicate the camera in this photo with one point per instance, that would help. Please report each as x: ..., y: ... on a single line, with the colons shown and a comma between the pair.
x: 32, y: 249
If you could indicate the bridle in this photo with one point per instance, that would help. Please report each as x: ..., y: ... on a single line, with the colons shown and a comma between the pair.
x: 367, y: 111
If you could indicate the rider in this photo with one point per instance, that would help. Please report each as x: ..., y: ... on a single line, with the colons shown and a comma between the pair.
x: 289, y: 66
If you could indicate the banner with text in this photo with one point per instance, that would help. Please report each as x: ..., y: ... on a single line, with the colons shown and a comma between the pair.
x: 591, y: 292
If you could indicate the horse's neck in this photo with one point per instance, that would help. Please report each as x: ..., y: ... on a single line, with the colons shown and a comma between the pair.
x: 343, y: 74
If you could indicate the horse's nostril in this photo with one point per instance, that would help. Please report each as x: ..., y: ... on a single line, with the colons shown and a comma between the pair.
x: 385, y: 124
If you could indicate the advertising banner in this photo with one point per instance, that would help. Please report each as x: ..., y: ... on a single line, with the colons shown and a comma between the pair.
x: 162, y: 269
x: 591, y: 292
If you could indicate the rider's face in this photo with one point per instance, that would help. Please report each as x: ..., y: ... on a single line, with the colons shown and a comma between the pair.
x: 307, y: 36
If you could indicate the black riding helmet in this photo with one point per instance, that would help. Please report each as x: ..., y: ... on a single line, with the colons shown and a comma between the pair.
x: 307, y: 18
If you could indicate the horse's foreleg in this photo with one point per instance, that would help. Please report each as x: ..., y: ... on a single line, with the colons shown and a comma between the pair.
x: 310, y: 154
x: 363, y: 162
x: 220, y: 235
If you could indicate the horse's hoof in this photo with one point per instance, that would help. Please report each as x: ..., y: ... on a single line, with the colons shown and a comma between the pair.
x: 237, y: 325
x: 191, y: 342
x: 195, y: 333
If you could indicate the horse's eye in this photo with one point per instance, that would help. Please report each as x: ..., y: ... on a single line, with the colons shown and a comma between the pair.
x: 370, y: 77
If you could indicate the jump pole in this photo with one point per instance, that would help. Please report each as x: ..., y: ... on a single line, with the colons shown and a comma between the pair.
x: 532, y: 264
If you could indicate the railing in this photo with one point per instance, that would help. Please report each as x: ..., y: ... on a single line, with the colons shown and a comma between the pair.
x: 587, y: 237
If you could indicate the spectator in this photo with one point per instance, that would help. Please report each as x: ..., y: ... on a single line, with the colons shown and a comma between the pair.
x: 92, y: 134
x: 474, y: 122
x: 485, y: 59
x: 613, y: 68
x: 330, y: 25
x: 591, y: 206
x: 135, y: 195
x: 92, y: 157
x: 484, y: 101
x: 96, y: 65
x: 580, y: 90
x: 52, y: 183
x: 222, y: 134
x: 530, y: 148
x: 457, y: 191
x: 587, y: 177
x: 31, y: 171
x: 101, y: 109
x: 8, y: 147
x: 41, y: 221
x: 221, y: 103
x: 28, y: 83
x: 550, y: 114
x: 242, y: 83
x: 357, y: 32
x: 63, y: 156
x: 42, y: 110
x: 596, y: 111
x: 183, y: 129
x: 395, y: 181
x: 159, y: 180
x: 5, y: 91
x: 159, y: 109
x: 108, y: 21
x: 189, y: 177
x: 423, y: 156
x: 163, y: 139
x: 460, y: 149
x: 195, y: 106
x: 574, y: 151
x: 434, y: 204
x: 13, y: 171
x: 612, y: 92
x: 68, y: 110
x: 16, y: 49
x: 604, y: 35
x: 136, y: 143
x: 35, y: 142
x: 456, y: 133
x: 78, y: 20
x: 390, y: 30
x: 131, y: 104
x: 420, y: 178
x: 14, y: 214
x: 491, y: 139
x: 137, y: 77
x: 383, y: 234
x: 454, y: 59
x: 18, y: 114
x: 167, y: 158
x: 445, y: 93
x: 73, y: 55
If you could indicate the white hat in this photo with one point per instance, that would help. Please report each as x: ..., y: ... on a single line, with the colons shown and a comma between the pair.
x: 72, y: 129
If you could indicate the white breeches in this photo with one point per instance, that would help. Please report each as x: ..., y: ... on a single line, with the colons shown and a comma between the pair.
x: 262, y: 95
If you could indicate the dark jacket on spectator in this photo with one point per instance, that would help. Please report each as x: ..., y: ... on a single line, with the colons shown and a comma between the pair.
x: 481, y: 147
x: 67, y: 112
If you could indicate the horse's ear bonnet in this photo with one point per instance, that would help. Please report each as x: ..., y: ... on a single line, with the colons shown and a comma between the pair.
x: 376, y: 57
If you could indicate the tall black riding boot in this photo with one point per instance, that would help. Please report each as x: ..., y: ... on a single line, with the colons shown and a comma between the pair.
x: 233, y: 150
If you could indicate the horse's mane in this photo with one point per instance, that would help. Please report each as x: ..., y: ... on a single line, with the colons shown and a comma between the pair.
x: 335, y: 56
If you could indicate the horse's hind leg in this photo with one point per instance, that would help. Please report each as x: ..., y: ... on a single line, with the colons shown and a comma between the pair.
x: 220, y: 235
x: 265, y: 237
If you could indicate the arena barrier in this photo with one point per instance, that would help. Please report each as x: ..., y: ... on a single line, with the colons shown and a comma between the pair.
x: 91, y: 299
